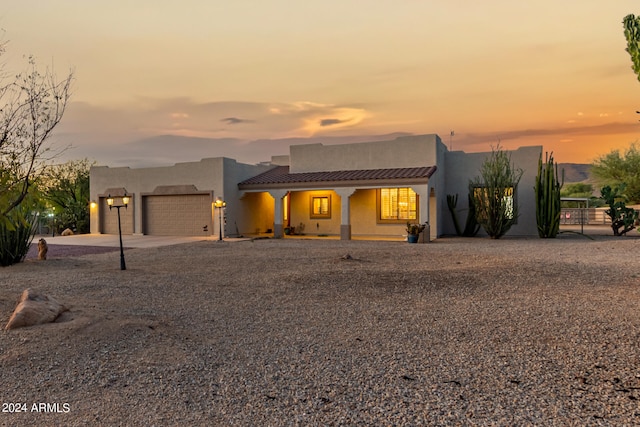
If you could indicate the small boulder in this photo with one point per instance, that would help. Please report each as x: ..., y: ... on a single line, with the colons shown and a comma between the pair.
x: 34, y: 308
x: 67, y: 232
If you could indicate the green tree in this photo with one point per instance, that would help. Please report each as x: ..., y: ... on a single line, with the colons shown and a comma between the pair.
x: 577, y: 189
x: 494, y: 193
x: 67, y: 190
x: 580, y: 190
x: 632, y: 34
x: 31, y: 106
x: 613, y: 169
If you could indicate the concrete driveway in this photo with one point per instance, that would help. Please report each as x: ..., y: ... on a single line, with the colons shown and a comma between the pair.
x: 128, y: 241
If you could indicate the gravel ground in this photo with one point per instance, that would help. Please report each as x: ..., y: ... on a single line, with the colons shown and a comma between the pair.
x: 291, y: 332
x: 61, y: 251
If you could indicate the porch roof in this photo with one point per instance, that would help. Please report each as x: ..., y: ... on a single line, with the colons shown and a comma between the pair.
x: 279, y: 177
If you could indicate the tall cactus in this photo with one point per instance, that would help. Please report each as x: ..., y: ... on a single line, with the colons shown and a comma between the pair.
x: 452, y: 201
x: 547, y: 192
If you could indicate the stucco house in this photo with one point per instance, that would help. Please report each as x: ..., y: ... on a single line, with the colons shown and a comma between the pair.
x: 360, y: 190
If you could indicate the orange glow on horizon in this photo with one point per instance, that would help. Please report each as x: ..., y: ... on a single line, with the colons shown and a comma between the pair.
x: 560, y: 78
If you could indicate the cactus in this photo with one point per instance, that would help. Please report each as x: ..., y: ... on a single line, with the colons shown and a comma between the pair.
x: 622, y: 217
x: 452, y: 201
x: 547, y: 193
x: 471, y: 226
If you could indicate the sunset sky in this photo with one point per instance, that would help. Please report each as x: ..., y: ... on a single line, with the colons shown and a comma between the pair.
x: 249, y: 73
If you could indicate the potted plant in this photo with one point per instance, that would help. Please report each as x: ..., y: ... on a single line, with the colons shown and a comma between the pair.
x: 413, y: 231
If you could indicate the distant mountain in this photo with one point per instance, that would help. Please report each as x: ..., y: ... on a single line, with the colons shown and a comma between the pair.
x: 575, y: 172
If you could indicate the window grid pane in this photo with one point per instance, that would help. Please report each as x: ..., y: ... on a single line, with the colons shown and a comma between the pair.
x: 398, y: 204
x: 320, y: 205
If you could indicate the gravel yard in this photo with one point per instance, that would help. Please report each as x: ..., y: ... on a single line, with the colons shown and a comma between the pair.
x: 291, y: 332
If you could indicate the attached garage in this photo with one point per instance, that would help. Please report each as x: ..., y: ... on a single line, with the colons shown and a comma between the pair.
x: 109, y: 218
x: 177, y: 214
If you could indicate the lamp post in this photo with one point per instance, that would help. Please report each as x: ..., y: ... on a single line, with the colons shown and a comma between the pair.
x: 220, y: 204
x: 125, y: 202
x: 52, y: 221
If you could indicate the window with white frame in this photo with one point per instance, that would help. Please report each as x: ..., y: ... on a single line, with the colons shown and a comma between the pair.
x: 397, y: 205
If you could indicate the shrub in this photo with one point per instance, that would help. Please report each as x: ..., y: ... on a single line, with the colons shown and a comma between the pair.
x: 494, y: 194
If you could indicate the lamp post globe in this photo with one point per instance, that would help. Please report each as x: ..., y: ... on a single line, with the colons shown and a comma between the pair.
x: 220, y: 204
x: 125, y: 201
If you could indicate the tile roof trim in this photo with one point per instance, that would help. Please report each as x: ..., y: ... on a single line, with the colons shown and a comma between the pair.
x: 279, y: 177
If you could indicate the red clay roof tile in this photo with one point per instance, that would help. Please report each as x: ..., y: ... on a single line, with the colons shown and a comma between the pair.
x: 280, y: 175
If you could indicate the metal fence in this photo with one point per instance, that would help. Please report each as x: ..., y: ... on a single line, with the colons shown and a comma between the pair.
x: 586, y: 216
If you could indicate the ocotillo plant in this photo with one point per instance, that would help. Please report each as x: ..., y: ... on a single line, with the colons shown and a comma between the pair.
x: 493, y: 193
x: 547, y: 192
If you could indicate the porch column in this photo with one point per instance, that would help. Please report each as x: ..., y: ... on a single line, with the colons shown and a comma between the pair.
x: 345, y: 220
x: 424, y: 214
x: 278, y: 228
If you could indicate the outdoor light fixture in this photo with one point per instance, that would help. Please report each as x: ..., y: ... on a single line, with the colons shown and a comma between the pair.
x: 125, y: 202
x: 93, y: 204
x: 220, y: 204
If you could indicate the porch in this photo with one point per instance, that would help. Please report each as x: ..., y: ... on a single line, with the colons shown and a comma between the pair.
x: 371, y: 204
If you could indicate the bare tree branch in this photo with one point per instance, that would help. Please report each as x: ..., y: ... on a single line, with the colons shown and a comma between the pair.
x: 30, y: 109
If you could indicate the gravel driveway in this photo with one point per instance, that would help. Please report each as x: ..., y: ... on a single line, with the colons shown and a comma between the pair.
x: 295, y: 332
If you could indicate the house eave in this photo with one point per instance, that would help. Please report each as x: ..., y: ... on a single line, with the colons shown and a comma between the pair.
x: 397, y: 182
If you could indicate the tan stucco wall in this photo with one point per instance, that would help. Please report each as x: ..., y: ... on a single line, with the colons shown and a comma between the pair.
x: 237, y: 213
x: 217, y: 175
x: 403, y: 152
x: 462, y: 167
x: 363, y: 212
x: 301, y: 212
x: 364, y: 216
x: 256, y: 213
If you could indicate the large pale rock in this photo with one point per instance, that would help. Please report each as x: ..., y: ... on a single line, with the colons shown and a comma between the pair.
x: 34, y: 308
x: 67, y: 232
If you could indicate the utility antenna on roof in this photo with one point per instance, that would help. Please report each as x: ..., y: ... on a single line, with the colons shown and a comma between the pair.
x: 451, y: 140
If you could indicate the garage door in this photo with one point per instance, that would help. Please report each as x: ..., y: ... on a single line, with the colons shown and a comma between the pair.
x: 177, y: 215
x: 109, y: 218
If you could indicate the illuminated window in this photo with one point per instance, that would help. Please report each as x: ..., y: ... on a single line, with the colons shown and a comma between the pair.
x: 397, y: 204
x: 320, y: 207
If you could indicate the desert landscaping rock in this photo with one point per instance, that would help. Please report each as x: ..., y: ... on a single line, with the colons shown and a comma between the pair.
x: 34, y: 308
x: 67, y: 232
x: 290, y: 332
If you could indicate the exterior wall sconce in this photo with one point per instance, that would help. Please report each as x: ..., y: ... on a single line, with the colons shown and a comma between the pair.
x: 220, y: 204
x: 125, y: 202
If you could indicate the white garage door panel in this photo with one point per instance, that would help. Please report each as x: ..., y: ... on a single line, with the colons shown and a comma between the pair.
x: 177, y: 215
